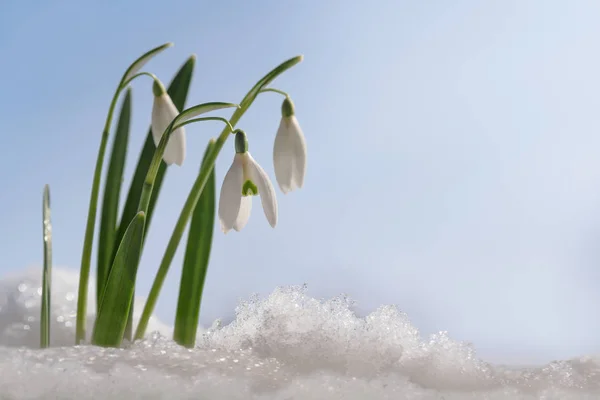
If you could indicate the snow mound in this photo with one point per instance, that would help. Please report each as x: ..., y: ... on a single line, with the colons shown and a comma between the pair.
x: 287, y: 346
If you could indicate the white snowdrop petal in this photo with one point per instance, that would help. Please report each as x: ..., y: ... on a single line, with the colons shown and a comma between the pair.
x: 265, y: 190
x: 298, y: 148
x: 282, y: 157
x: 244, y: 213
x: 175, y: 150
x: 163, y: 113
x: 230, y: 198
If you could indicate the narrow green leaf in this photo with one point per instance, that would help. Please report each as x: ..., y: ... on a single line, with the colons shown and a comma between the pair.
x: 118, y: 291
x: 112, y: 192
x: 178, y: 91
x: 46, y: 311
x: 196, y: 191
x: 195, y: 264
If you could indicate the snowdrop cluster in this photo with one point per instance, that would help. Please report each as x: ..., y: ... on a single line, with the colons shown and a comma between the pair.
x: 245, y: 178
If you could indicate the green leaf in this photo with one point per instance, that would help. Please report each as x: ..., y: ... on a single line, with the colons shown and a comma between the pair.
x: 118, y: 292
x: 195, y: 264
x: 178, y: 91
x: 112, y: 192
x: 46, y: 311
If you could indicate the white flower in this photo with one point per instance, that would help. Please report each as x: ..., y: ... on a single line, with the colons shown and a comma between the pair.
x: 163, y: 113
x: 244, y: 179
x: 289, y: 151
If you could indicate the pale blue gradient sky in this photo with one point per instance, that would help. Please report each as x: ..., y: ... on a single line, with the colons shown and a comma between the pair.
x: 453, y: 153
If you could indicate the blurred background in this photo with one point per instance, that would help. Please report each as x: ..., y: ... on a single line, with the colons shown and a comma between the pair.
x: 453, y: 163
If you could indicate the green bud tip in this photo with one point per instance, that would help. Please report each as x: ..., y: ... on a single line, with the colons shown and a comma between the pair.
x: 241, y: 141
x: 287, y: 108
x: 158, y: 89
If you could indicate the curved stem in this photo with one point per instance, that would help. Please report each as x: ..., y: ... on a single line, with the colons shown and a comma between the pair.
x: 150, y: 74
x: 184, y: 216
x: 190, y: 121
x: 281, y: 92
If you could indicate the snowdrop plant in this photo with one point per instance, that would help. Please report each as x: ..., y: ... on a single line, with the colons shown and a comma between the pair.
x: 121, y: 242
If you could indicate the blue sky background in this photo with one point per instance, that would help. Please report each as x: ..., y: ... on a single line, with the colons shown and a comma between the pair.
x: 453, y: 168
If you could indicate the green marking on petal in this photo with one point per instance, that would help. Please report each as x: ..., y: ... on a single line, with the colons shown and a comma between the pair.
x: 249, y: 189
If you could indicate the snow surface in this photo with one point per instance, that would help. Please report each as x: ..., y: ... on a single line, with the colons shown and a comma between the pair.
x: 287, y: 346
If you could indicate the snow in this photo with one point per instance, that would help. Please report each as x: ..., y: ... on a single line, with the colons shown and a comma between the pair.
x: 286, y: 346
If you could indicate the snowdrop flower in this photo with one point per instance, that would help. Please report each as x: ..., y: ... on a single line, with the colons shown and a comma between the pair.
x: 245, y: 179
x: 163, y: 113
x: 289, y: 151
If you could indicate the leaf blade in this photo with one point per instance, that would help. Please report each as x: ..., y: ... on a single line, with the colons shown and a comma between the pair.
x: 46, y: 310
x: 195, y: 264
x: 110, y: 203
x: 118, y: 291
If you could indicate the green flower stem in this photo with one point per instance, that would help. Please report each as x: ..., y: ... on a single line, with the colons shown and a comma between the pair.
x: 184, y: 216
x: 86, y: 257
x: 191, y: 121
x: 281, y: 92
x: 162, y: 145
x: 151, y: 75
x: 153, y: 169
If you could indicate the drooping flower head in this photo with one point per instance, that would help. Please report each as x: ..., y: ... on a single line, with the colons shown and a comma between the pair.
x: 289, y: 150
x: 163, y: 113
x: 244, y: 179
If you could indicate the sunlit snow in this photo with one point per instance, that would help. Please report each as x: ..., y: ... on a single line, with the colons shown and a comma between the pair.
x: 286, y: 346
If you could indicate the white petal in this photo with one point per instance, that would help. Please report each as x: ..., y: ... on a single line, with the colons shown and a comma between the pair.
x: 265, y: 190
x: 230, y: 198
x: 298, y: 144
x: 163, y: 113
x: 244, y: 213
x: 289, y: 155
x: 282, y: 160
x: 175, y: 150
